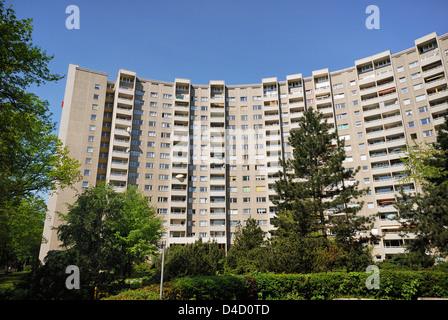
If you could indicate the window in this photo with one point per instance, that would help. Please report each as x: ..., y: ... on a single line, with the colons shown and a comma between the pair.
x: 343, y: 126
x: 423, y: 109
x: 425, y: 121
x: 243, y: 98
x: 90, y: 138
x: 406, y: 102
x: 88, y: 160
x: 87, y: 172
x: 341, y: 116
x: 415, y: 75
x: 90, y: 149
x: 96, y: 97
x: 413, y: 64
x: 427, y: 133
x: 85, y: 184
x: 370, y: 205
x: 404, y: 90
x: 411, y: 124
x: 402, y: 79
x: 420, y: 97
x: 400, y: 69
x: 261, y: 199
x: 92, y: 127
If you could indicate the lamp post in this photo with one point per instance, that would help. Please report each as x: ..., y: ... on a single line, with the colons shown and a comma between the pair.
x: 161, y: 273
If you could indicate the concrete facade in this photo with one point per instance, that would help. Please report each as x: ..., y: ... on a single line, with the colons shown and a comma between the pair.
x: 207, y: 155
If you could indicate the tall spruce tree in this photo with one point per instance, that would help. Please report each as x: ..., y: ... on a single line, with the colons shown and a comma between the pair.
x: 425, y: 214
x: 319, y: 198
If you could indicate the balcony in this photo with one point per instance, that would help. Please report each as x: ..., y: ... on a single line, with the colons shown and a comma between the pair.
x: 377, y: 133
x: 270, y: 95
x: 182, y: 97
x: 124, y: 143
x: 120, y: 154
x: 124, y: 111
x: 268, y: 117
x: 438, y: 94
x: 119, y: 164
x: 122, y: 132
x: 177, y: 227
x: 384, y: 74
x: 121, y: 176
x: 429, y: 57
x: 125, y: 101
x: 123, y: 121
x: 323, y: 99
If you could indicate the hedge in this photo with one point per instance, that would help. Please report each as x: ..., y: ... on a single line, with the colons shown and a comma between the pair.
x: 393, y: 285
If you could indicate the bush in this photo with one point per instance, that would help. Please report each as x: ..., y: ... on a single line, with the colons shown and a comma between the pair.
x: 394, y: 285
x: 214, y: 288
x: 139, y: 294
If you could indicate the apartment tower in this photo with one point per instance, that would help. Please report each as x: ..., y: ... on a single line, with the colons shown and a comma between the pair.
x: 207, y: 156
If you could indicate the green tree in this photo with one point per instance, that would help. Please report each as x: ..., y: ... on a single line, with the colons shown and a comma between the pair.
x: 33, y: 160
x: 249, y: 251
x: 318, y: 196
x: 425, y: 212
x: 108, y: 232
x: 195, y: 259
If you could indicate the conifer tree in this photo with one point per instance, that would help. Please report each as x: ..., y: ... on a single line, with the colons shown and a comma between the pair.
x: 319, y: 198
x: 425, y: 214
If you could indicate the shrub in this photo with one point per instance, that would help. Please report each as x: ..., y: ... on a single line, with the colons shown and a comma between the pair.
x: 213, y: 288
x: 394, y: 285
x: 139, y: 294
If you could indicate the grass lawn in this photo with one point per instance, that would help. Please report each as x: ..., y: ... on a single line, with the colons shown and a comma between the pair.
x: 8, y: 280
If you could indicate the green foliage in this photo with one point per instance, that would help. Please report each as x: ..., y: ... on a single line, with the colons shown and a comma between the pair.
x: 139, y: 294
x: 425, y: 212
x: 48, y: 281
x: 394, y: 285
x: 33, y: 160
x: 247, y: 254
x: 200, y: 258
x: 213, y: 288
x: 105, y: 233
x: 316, y: 199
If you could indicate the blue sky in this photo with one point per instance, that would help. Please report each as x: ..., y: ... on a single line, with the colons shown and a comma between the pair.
x: 238, y: 41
